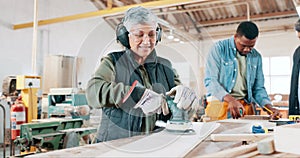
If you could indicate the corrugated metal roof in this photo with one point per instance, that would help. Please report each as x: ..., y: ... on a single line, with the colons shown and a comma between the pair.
x: 192, y: 17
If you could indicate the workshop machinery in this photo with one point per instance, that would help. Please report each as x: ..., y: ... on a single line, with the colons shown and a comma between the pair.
x: 64, y: 100
x: 29, y: 86
x: 51, y: 134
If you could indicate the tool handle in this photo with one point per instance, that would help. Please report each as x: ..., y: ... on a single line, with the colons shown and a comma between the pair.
x: 271, y: 112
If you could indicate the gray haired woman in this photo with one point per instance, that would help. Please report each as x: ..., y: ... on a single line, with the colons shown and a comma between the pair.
x: 130, y: 85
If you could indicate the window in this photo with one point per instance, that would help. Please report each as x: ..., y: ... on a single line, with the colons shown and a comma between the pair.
x: 277, y: 73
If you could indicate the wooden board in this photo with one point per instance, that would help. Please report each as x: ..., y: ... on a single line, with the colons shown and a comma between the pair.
x: 161, y: 144
x: 287, y: 138
x: 165, y: 144
x: 239, y: 137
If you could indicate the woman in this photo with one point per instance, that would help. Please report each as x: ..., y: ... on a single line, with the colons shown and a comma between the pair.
x: 129, y: 86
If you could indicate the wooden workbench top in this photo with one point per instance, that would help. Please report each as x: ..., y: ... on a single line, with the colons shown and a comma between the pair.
x: 203, y: 147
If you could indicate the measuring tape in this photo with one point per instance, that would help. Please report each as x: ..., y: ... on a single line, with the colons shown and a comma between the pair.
x: 259, y: 129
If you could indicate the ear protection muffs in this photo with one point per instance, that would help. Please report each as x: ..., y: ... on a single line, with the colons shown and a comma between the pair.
x: 122, y: 35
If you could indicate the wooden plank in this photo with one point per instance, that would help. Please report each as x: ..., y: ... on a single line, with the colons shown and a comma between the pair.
x: 239, y: 137
x: 286, y: 138
x: 165, y: 144
x: 161, y: 144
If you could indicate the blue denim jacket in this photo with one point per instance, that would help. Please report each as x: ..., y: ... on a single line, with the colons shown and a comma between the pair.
x: 222, y: 68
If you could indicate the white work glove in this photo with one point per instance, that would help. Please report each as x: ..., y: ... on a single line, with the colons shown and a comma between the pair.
x: 184, y: 97
x: 151, y: 102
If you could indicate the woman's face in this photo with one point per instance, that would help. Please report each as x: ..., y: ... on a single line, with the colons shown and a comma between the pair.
x: 142, y: 39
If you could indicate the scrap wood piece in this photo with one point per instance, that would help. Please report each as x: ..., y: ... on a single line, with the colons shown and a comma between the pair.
x: 239, y: 137
x: 234, y: 152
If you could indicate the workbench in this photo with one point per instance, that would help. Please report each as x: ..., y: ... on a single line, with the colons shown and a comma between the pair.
x: 206, y: 146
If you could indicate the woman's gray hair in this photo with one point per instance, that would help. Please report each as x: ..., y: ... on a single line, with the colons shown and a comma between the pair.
x: 139, y: 15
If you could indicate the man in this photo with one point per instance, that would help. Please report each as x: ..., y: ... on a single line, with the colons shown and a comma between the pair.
x: 234, y: 76
x: 294, y: 98
x: 130, y: 86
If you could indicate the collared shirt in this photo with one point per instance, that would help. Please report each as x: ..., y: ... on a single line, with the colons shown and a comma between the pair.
x: 221, y: 73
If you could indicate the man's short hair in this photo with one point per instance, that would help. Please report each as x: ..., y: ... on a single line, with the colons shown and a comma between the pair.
x: 247, y: 29
x: 297, y: 25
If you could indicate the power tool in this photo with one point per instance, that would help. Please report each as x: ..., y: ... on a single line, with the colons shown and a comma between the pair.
x: 179, y: 122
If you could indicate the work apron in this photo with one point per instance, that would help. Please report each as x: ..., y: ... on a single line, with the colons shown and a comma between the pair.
x: 217, y: 110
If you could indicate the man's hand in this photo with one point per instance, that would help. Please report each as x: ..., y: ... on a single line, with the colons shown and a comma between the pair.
x: 184, y: 97
x: 235, y: 108
x: 273, y: 112
x: 151, y: 102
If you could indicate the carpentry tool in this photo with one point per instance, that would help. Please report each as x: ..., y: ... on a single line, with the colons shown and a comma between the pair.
x: 282, y: 121
x: 241, y: 112
x: 48, y: 134
x: 179, y: 123
x: 259, y: 129
x: 63, y: 101
x: 294, y: 118
x: 271, y: 112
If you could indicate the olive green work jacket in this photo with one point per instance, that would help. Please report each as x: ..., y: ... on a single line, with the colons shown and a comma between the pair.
x: 112, y: 81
